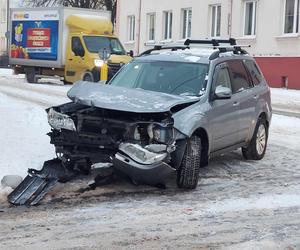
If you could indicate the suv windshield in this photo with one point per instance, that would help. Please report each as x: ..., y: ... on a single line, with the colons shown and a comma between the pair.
x: 176, y: 78
x: 96, y: 43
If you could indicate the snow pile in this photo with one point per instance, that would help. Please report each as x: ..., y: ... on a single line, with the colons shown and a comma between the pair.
x: 6, y: 72
x: 285, y: 99
x: 285, y: 131
x: 23, y: 140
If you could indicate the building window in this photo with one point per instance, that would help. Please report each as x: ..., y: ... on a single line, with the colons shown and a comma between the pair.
x: 131, y: 28
x: 168, y: 20
x: 250, y: 18
x: 186, y: 23
x: 291, y: 16
x: 215, y: 20
x: 151, y: 26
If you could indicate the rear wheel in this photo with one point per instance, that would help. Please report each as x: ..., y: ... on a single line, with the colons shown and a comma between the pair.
x: 188, y: 172
x: 30, y: 75
x: 258, y: 144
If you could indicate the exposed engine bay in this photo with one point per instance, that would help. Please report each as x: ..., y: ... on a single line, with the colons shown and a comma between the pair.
x: 133, y: 142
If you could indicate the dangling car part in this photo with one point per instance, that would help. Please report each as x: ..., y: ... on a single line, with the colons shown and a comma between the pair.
x: 38, y: 182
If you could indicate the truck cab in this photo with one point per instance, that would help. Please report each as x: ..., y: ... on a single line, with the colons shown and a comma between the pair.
x: 87, y: 37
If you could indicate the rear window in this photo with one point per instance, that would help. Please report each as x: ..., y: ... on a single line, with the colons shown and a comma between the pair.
x: 239, y: 76
x: 254, y: 71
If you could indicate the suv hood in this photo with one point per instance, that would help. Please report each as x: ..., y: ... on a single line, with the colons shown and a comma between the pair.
x: 125, y: 99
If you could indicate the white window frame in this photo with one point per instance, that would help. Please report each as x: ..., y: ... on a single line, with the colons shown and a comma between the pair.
x: 185, y: 23
x: 213, y: 30
x: 295, y: 24
x: 254, y: 19
x: 131, y: 28
x: 168, y: 25
x: 149, y: 16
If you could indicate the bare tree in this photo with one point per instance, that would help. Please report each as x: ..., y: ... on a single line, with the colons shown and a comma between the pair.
x: 110, y: 5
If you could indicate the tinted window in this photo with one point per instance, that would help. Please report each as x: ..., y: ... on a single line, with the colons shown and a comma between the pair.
x: 168, y: 77
x: 96, y: 43
x: 255, y: 74
x: 239, y: 77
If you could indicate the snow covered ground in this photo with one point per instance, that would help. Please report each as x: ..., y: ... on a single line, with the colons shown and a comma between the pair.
x: 23, y: 123
x: 239, y: 204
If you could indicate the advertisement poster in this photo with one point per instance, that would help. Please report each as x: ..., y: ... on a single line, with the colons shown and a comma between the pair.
x: 35, y: 35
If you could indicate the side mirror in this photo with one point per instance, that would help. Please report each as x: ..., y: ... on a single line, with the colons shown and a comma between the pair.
x: 222, y: 92
x: 104, y: 54
x: 79, y: 51
x: 130, y: 53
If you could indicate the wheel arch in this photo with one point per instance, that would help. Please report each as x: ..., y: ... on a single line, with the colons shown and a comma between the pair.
x: 202, y: 133
x: 264, y: 116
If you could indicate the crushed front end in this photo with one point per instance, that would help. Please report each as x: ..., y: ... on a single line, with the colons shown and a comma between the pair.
x: 138, y: 144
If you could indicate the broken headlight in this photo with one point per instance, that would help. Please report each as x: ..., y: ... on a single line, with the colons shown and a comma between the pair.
x: 60, y: 121
x: 162, y: 134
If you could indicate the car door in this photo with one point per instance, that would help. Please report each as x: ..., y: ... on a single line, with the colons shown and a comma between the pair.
x: 223, y: 115
x: 242, y: 89
x: 75, y: 66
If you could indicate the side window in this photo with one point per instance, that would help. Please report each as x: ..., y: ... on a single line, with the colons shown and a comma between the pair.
x: 254, y: 72
x: 77, y: 47
x: 223, y: 78
x: 239, y: 76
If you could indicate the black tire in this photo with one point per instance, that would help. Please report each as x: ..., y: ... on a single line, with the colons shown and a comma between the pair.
x: 30, y: 75
x: 254, y: 150
x: 188, y: 172
x: 88, y: 77
x: 67, y: 83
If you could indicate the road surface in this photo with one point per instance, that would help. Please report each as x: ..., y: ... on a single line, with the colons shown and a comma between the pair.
x: 237, y: 205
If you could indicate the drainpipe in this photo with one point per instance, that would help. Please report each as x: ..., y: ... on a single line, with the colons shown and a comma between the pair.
x: 7, y: 34
x: 229, y: 28
x: 117, y: 24
x: 139, y: 27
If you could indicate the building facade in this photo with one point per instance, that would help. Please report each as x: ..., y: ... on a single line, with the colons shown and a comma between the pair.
x: 271, y: 27
x: 3, y: 26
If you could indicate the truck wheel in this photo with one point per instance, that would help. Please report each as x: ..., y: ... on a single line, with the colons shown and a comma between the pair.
x: 88, y: 77
x: 258, y: 144
x: 188, y: 172
x: 30, y: 75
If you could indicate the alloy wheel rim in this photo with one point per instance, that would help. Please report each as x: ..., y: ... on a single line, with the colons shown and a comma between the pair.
x: 261, y: 139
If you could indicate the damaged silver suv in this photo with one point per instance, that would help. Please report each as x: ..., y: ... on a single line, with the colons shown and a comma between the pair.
x: 170, y: 109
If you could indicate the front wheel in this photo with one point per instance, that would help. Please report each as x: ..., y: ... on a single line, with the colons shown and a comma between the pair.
x: 188, y: 172
x: 258, y: 144
x: 88, y: 77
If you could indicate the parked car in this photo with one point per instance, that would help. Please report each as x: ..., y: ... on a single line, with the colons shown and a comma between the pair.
x: 170, y: 109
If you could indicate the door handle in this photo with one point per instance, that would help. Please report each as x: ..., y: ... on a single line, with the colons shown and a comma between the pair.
x: 236, y: 104
x: 70, y: 59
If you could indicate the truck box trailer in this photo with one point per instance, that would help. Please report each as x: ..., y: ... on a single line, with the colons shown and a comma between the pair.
x: 64, y: 42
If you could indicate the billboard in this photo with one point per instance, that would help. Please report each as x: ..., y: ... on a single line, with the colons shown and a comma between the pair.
x: 35, y: 35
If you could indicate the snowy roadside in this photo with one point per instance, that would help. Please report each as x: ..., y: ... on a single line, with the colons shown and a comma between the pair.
x: 285, y: 100
x: 23, y: 140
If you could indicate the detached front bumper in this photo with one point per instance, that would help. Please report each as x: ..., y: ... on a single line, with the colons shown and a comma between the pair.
x: 151, y: 170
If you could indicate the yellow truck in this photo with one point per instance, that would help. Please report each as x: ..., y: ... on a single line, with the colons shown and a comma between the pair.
x: 66, y: 43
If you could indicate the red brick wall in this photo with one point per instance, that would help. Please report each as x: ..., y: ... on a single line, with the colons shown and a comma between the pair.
x: 281, y: 70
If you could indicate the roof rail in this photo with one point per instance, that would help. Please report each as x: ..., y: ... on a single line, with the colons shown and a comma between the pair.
x: 236, y: 49
x: 161, y: 47
x: 213, y: 42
